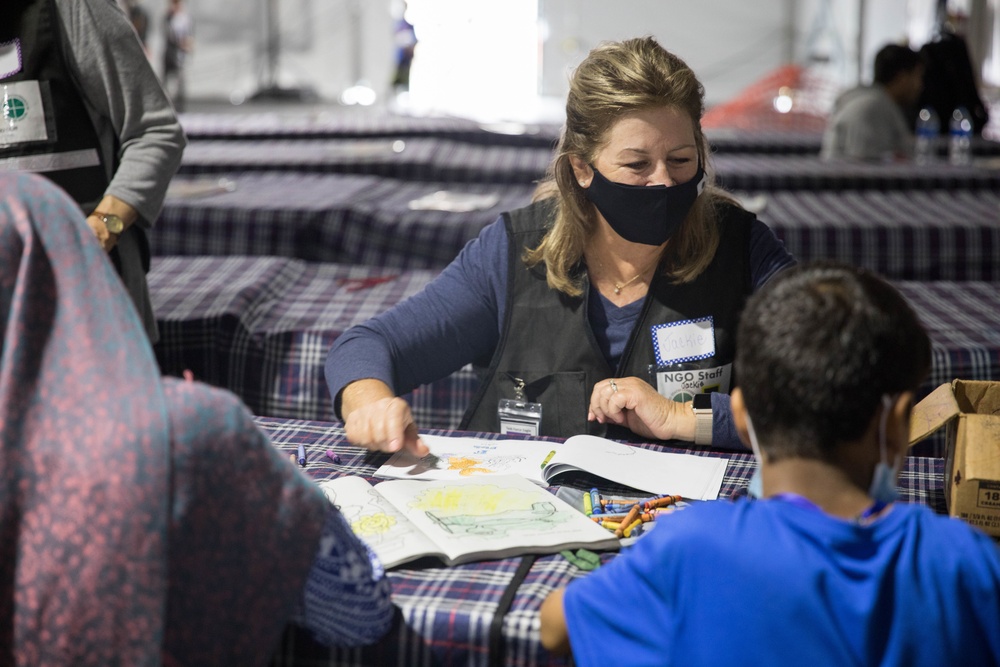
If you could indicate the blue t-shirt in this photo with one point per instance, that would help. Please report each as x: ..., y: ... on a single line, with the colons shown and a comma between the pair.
x: 774, y: 583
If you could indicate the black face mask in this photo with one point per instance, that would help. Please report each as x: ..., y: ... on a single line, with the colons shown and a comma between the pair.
x: 648, y: 214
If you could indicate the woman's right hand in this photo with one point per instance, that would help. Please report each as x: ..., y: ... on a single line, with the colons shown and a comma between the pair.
x: 379, y: 420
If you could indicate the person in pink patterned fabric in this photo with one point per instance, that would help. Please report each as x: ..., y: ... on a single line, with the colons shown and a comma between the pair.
x: 143, y: 520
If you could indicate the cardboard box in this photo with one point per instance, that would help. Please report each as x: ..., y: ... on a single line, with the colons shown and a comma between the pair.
x: 970, y: 410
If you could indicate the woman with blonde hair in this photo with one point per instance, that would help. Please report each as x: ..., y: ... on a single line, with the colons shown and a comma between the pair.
x: 607, y: 306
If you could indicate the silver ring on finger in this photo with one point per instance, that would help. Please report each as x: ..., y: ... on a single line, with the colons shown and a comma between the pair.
x: 614, y: 386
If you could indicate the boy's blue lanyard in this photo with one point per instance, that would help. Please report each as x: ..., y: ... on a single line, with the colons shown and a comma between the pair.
x: 801, y: 501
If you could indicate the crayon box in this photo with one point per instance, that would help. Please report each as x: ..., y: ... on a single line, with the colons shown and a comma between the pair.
x: 970, y: 411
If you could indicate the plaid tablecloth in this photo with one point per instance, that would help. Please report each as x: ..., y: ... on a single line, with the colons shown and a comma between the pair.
x: 446, y: 612
x: 417, y: 159
x: 808, y: 172
x: 344, y: 123
x: 963, y: 321
x: 262, y: 326
x: 902, y: 234
x: 777, y: 142
x: 345, y: 218
x: 356, y: 219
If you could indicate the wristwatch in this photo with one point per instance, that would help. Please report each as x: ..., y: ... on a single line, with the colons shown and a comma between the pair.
x: 114, y: 224
x: 702, y: 406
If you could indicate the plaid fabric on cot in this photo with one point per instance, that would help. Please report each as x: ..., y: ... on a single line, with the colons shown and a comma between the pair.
x: 343, y: 218
x: 420, y: 159
x: 446, y: 612
x: 963, y: 321
x: 809, y: 172
x: 295, y: 124
x: 785, y: 142
x: 901, y: 234
x: 262, y: 326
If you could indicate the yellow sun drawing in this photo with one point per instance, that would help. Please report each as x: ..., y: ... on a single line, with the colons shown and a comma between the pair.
x: 373, y: 524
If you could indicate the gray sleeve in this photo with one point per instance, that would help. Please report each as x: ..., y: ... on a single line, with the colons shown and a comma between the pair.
x: 135, y: 121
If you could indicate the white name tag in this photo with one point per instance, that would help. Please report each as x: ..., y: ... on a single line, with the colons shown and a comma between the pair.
x: 682, y: 385
x: 687, y: 340
x: 23, y: 113
x: 10, y: 58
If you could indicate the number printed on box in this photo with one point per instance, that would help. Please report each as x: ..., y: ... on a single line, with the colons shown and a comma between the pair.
x: 989, y: 495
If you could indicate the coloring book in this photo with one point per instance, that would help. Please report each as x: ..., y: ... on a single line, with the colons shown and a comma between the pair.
x: 692, y: 477
x: 462, y: 520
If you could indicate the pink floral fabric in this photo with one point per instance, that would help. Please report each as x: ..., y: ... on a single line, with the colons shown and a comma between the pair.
x: 142, y: 521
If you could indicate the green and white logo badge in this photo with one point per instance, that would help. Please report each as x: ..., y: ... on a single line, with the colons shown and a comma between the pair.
x: 14, y: 108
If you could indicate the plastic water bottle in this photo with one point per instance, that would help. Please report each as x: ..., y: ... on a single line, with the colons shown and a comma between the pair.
x: 960, y: 145
x: 928, y: 129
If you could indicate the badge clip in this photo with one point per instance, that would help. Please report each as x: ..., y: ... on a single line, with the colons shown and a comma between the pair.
x: 519, y: 415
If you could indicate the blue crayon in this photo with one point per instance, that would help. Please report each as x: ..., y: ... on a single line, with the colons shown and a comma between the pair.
x: 618, y: 509
x: 595, y: 501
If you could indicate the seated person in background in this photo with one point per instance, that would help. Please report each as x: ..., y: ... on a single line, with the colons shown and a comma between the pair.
x: 143, y: 520
x: 869, y: 122
x: 583, y: 301
x: 826, y: 569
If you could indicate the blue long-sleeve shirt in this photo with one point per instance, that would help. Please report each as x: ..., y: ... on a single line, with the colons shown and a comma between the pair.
x: 458, y: 318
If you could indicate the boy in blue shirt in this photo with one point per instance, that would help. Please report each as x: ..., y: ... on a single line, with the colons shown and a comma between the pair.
x: 826, y: 568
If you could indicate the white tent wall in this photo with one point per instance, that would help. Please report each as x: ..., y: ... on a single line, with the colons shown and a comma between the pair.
x: 328, y: 45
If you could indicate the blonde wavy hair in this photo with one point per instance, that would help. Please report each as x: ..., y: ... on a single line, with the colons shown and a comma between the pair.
x: 618, y: 78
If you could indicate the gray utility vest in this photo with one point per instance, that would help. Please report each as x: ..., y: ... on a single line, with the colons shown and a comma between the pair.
x: 547, y: 340
x: 71, y: 155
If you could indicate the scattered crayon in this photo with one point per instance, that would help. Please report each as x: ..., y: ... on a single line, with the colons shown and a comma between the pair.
x: 332, y: 456
x: 629, y: 518
x: 627, y: 531
x: 622, y: 509
x: 595, y: 502
x: 617, y: 501
x: 548, y: 458
x: 610, y: 525
x: 588, y: 508
x: 663, y: 501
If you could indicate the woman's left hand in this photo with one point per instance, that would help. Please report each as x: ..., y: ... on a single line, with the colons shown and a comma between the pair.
x: 636, y: 405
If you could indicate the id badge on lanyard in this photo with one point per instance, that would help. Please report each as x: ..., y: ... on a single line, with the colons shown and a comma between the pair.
x: 518, y: 415
x: 23, y: 113
x: 680, y: 349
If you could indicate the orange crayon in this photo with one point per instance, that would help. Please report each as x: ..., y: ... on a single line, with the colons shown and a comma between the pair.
x: 632, y: 515
x: 663, y: 501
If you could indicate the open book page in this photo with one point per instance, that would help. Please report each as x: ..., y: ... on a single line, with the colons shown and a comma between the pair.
x: 462, y: 457
x: 376, y: 521
x: 493, y: 517
x: 694, y: 477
